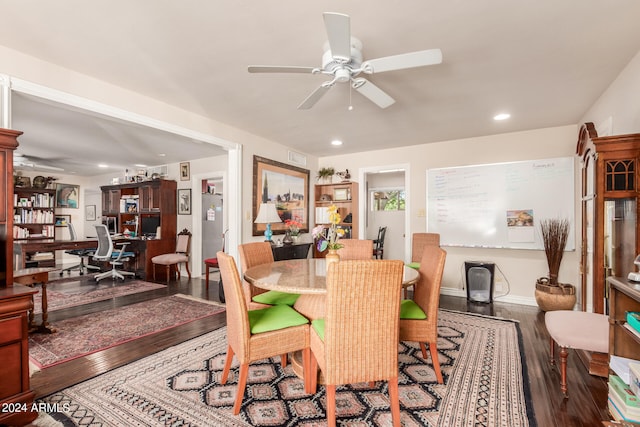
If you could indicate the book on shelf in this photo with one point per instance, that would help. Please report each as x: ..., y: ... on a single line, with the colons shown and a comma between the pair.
x: 622, y: 366
x: 633, y: 330
x: 624, y: 401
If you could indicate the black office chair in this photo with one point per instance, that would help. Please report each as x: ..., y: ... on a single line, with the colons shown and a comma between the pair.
x: 105, y: 252
x: 81, y: 253
x: 378, y: 244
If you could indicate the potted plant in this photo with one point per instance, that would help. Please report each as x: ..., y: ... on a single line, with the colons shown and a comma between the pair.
x: 326, y: 174
x: 550, y: 293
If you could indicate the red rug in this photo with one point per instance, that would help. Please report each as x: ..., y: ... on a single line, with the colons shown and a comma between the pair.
x: 83, y: 335
x: 67, y: 293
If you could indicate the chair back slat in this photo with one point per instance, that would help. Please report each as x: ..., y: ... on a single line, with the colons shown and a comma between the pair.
x: 238, y: 331
x: 252, y: 254
x: 361, y: 320
x: 355, y: 249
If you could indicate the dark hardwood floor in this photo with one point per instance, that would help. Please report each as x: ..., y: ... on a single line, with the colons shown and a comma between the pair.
x: 586, y: 406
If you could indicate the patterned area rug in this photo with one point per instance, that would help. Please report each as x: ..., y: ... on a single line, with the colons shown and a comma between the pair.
x: 70, y: 292
x: 484, y: 372
x: 79, y: 336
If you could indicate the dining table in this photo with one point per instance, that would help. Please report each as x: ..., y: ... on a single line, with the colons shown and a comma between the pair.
x: 306, y: 277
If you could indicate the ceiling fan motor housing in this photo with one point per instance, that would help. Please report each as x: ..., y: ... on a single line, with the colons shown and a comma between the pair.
x: 343, y: 71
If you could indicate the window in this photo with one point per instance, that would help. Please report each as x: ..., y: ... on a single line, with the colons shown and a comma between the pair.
x: 388, y: 200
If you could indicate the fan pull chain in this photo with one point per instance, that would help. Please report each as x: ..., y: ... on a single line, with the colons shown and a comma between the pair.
x: 350, y: 105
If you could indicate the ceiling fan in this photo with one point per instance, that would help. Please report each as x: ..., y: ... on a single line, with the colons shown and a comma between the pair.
x: 342, y: 60
x: 20, y: 161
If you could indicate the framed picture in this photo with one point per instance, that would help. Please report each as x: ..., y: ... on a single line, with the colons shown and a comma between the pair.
x: 62, y: 220
x: 285, y: 185
x: 90, y: 213
x: 67, y: 196
x: 184, y: 201
x: 340, y: 194
x: 185, y: 173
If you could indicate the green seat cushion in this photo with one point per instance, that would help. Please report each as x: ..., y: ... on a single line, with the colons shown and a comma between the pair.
x: 410, y: 310
x: 274, y: 318
x: 318, y: 326
x: 275, y: 298
x: 415, y: 265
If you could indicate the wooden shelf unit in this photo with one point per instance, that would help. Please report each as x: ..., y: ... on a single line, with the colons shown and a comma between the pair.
x: 624, y: 297
x: 344, y: 196
x: 15, y: 303
x: 156, y: 198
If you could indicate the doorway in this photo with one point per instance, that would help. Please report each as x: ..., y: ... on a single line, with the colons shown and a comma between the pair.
x: 386, y: 205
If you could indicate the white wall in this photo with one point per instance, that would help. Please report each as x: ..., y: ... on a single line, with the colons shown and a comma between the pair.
x: 520, y: 268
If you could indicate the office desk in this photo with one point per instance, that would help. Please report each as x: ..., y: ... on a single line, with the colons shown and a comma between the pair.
x: 144, y: 250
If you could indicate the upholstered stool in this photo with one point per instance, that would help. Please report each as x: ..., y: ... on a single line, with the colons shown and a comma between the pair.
x: 577, y: 330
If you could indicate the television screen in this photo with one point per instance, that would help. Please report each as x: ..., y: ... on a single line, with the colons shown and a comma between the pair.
x: 149, y: 225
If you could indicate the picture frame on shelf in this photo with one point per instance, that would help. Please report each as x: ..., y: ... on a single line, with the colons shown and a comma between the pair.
x: 340, y: 194
x: 90, y: 213
x: 62, y: 220
x: 184, y: 201
x: 285, y: 185
x: 67, y: 196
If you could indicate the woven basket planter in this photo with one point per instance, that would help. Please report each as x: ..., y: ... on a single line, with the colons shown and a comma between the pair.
x: 550, y: 298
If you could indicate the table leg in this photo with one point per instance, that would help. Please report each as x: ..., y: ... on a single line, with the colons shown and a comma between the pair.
x: 44, y: 326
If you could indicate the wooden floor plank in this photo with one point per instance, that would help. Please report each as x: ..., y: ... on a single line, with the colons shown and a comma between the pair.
x: 586, y: 406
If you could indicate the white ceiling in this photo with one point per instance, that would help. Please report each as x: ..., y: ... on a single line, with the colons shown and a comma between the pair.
x: 543, y: 61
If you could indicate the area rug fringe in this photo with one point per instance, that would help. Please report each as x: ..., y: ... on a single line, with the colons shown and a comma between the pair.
x: 481, y: 360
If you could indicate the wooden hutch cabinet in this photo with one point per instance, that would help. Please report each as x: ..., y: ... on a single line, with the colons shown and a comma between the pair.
x: 142, y: 207
x: 616, y: 235
x: 16, y: 397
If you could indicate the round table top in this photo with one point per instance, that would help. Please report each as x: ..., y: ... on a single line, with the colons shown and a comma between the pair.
x: 302, y: 276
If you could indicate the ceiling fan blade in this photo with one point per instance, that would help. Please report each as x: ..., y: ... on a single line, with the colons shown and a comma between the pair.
x: 314, y: 97
x: 338, y: 28
x: 399, y: 62
x: 277, y: 69
x: 373, y: 92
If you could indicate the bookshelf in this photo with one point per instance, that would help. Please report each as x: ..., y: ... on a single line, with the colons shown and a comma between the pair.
x: 344, y: 196
x: 34, y: 219
x: 623, y: 342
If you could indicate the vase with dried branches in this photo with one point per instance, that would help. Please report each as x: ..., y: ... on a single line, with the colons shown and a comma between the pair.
x: 550, y: 293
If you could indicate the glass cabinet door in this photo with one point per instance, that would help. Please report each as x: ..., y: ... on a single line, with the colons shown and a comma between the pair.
x: 620, y: 224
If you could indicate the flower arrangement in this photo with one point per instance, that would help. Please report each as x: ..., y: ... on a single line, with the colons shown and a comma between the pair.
x: 293, y: 225
x: 328, y: 239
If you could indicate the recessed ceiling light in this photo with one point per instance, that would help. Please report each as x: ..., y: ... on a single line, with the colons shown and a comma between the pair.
x: 161, y: 155
x: 139, y: 165
x: 501, y: 116
x: 102, y: 165
x: 336, y: 142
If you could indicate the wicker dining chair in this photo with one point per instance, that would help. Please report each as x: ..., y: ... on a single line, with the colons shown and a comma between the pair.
x: 258, y: 334
x: 355, y: 249
x: 418, y: 242
x: 357, y: 340
x: 257, y: 253
x: 419, y: 317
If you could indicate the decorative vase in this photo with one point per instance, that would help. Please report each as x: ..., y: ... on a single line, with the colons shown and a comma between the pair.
x: 287, y: 240
x: 332, y: 256
x: 295, y: 238
x: 560, y: 297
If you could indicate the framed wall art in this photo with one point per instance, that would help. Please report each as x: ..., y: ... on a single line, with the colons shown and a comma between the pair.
x: 90, y: 213
x: 284, y: 185
x: 184, y: 201
x: 185, y: 171
x: 67, y: 196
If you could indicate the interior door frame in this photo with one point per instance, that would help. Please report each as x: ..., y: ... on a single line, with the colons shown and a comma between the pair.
x: 9, y: 84
x: 362, y: 202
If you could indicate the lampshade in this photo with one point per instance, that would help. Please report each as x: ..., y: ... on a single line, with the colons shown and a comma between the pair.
x: 267, y: 213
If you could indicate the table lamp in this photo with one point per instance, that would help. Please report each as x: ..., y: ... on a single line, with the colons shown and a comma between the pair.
x: 267, y: 214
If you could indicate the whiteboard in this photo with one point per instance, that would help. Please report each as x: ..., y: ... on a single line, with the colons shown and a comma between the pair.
x: 500, y: 205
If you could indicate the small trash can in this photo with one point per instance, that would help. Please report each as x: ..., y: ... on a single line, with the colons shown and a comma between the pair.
x: 479, y: 277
